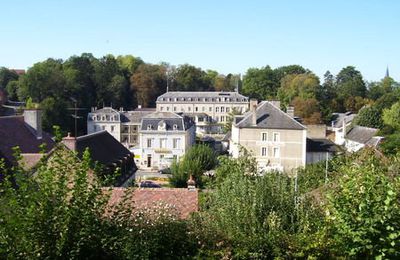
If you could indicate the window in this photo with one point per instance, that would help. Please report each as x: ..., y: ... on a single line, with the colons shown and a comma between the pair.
x: 167, y: 108
x: 176, y: 143
x: 163, y: 142
x: 222, y: 118
x: 276, y: 152
x: 276, y: 137
x: 103, y: 127
x: 222, y: 109
x: 263, y: 151
x: 94, y: 128
x: 189, y: 108
x: 174, y: 108
x: 217, y: 118
x: 175, y: 127
x: 210, y: 109
x: 203, y: 109
x: 161, y: 108
x: 264, y: 137
x: 149, y: 142
x: 149, y: 127
x: 217, y: 109
x: 112, y: 128
x: 196, y: 109
x: 227, y: 110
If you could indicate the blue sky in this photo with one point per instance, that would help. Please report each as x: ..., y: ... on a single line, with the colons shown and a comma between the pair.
x: 227, y: 36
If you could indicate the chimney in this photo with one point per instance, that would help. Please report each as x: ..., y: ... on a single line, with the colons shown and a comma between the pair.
x: 121, y: 109
x: 290, y: 111
x: 253, y: 108
x: 344, y: 127
x: 70, y: 142
x: 191, y: 183
x: 33, y: 118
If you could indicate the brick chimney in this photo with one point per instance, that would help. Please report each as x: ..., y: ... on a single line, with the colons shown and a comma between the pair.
x: 253, y: 108
x: 33, y: 118
x: 191, y: 183
x: 70, y: 142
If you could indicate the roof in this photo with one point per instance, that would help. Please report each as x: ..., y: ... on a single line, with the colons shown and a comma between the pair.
x: 105, y: 110
x: 15, y: 132
x: 361, y: 134
x: 321, y: 145
x: 176, y: 200
x: 339, y: 117
x: 268, y: 116
x: 135, y: 116
x: 202, y: 96
x: 181, y: 122
x: 103, y: 147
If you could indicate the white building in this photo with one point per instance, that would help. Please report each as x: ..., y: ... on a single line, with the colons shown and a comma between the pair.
x: 340, y: 125
x: 122, y: 125
x: 210, y: 110
x: 164, y: 137
x: 360, y: 136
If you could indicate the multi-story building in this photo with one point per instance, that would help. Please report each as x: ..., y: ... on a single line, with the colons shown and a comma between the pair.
x: 164, y: 137
x: 275, y: 139
x: 210, y: 110
x: 122, y: 125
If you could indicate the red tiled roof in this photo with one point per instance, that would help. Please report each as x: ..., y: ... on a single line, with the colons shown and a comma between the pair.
x: 18, y: 71
x: 14, y: 132
x: 180, y: 200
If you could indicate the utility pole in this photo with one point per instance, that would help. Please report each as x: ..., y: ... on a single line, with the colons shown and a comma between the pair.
x: 326, y: 168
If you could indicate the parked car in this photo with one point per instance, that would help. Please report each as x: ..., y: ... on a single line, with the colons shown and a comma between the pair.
x: 165, y: 171
x: 149, y: 184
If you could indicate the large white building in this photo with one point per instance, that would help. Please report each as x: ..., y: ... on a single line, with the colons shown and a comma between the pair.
x: 210, y: 110
x: 164, y: 137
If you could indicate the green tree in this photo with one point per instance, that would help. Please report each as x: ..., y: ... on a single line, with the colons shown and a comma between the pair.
x: 190, y: 78
x: 369, y: 117
x: 350, y: 83
x: 260, y: 83
x: 304, y: 86
x: 6, y: 76
x: 391, y: 116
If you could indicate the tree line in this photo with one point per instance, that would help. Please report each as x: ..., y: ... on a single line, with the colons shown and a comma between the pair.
x: 127, y: 81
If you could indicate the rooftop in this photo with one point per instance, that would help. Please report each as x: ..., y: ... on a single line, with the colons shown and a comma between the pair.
x: 270, y: 117
x: 361, y: 134
x: 202, y: 96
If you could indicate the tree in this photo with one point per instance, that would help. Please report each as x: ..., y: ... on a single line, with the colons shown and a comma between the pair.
x: 350, y: 83
x: 229, y: 120
x: 6, y: 76
x: 129, y: 64
x: 307, y: 109
x: 197, y: 160
x: 260, y: 83
x: 147, y: 83
x: 298, y: 85
x: 391, y: 116
x: 369, y: 117
x: 190, y: 78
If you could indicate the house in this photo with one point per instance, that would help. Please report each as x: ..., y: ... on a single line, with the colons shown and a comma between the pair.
x: 276, y: 140
x: 360, y: 136
x: 122, y: 125
x: 179, y: 202
x: 339, y: 126
x: 106, y: 150
x: 25, y: 132
x: 210, y: 110
x: 164, y: 136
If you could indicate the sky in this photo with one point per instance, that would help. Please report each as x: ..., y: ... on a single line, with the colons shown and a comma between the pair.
x: 227, y: 36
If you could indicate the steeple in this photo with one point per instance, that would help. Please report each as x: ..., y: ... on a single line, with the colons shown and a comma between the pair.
x: 387, y: 72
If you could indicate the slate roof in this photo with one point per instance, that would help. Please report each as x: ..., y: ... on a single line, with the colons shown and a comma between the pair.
x: 339, y: 117
x: 103, y: 147
x: 182, y: 122
x: 135, y: 116
x: 15, y: 132
x: 321, y: 145
x: 202, y: 96
x: 105, y: 110
x: 270, y: 117
x: 361, y: 134
x: 181, y: 201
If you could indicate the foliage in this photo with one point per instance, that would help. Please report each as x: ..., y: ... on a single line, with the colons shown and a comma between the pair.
x: 349, y: 82
x: 391, y: 116
x: 363, y: 208
x: 229, y: 120
x: 304, y: 86
x: 307, y: 109
x: 260, y: 83
x: 62, y: 212
x: 369, y: 117
x: 197, y: 160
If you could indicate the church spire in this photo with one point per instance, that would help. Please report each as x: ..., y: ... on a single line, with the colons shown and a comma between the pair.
x: 387, y: 72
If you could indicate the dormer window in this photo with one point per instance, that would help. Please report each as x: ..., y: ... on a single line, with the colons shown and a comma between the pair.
x: 149, y: 127
x: 189, y: 99
x: 175, y: 127
x: 162, y: 125
x: 94, y: 118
